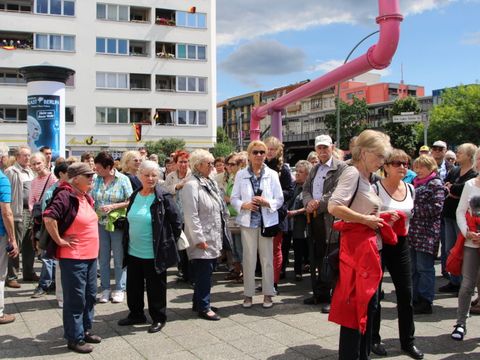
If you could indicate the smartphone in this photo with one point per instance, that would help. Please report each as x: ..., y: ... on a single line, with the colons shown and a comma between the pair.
x: 258, y: 192
x: 9, y: 248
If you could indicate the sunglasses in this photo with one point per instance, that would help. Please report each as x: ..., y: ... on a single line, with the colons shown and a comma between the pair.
x: 397, y: 163
x: 437, y: 148
x: 88, y: 175
x: 232, y: 164
x: 258, y: 152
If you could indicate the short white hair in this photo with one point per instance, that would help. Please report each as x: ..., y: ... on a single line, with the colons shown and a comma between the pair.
x: 3, y: 149
x: 149, y: 165
x: 198, y: 156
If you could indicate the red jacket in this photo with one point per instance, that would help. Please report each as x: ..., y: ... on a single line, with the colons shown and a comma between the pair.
x: 360, y: 270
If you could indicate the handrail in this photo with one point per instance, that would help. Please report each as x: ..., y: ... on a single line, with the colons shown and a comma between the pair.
x: 378, y: 56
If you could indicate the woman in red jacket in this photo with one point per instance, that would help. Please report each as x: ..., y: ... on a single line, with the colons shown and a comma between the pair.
x: 356, y: 202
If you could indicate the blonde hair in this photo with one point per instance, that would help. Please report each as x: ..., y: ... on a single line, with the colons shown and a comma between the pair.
x: 256, y: 143
x: 475, y: 157
x: 469, y: 149
x: 371, y: 140
x: 39, y: 155
x: 126, y: 157
x: 426, y: 161
x: 198, y: 156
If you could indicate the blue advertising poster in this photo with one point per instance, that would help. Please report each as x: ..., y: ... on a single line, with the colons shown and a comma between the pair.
x: 43, y: 122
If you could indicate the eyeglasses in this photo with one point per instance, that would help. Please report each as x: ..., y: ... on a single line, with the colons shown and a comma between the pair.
x: 89, y: 176
x: 450, y: 159
x: 437, y: 148
x: 398, y: 163
x: 232, y: 164
x: 209, y: 163
x: 258, y: 152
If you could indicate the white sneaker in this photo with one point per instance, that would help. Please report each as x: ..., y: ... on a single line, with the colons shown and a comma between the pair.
x: 104, y: 297
x: 118, y: 296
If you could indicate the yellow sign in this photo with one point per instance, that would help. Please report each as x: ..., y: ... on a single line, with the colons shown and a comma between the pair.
x: 88, y: 140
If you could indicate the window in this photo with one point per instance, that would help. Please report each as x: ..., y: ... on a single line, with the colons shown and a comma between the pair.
x: 15, y: 5
x: 55, y: 42
x: 191, y: 117
x: 112, y: 12
x: 192, y: 20
x: 112, y: 46
x: 110, y: 80
x: 10, y: 76
x: 69, y: 114
x: 191, y: 52
x: 164, y: 117
x: 112, y: 115
x: 191, y: 84
x: 12, y: 113
x: 56, y: 7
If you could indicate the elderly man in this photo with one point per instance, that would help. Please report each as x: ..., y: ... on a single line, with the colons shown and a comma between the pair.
x: 317, y: 190
x: 8, y: 245
x: 439, y: 149
x: 20, y: 177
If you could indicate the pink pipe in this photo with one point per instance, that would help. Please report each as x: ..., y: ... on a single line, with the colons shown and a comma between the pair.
x: 378, y: 56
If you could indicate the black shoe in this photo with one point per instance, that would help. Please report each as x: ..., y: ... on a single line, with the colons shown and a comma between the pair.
x: 413, y: 352
x: 275, y: 287
x: 282, y: 275
x: 156, y: 327
x: 379, y: 349
x: 422, y: 307
x: 91, y: 338
x: 204, y: 315
x: 325, y: 309
x: 80, y: 347
x: 314, y: 300
x: 449, y: 288
x: 213, y: 308
x: 129, y: 321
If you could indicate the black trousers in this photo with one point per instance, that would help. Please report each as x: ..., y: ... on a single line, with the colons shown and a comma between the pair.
x: 353, y: 345
x: 139, y: 272
x: 317, y: 246
x: 300, y: 254
x: 397, y: 260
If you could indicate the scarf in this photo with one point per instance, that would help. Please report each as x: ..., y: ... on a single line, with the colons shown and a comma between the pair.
x: 419, y: 182
x: 212, y: 189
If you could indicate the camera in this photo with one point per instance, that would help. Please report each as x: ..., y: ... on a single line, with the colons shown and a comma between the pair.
x: 258, y: 192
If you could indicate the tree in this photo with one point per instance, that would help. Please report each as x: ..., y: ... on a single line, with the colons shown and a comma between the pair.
x: 403, y: 136
x: 164, y: 147
x: 457, y: 118
x: 352, y: 120
x: 223, y: 146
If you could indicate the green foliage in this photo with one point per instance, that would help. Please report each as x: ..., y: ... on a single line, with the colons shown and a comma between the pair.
x: 164, y: 147
x: 224, y: 145
x: 404, y: 136
x: 457, y: 118
x: 352, y: 120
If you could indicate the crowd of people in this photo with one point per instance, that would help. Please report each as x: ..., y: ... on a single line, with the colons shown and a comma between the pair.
x: 348, y: 217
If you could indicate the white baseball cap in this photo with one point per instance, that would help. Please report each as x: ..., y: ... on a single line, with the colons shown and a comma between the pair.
x: 323, y: 140
x: 440, y: 143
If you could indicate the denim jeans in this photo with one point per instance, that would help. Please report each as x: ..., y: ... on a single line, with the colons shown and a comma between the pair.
x: 423, y: 275
x: 79, y: 282
x: 111, y: 242
x: 451, y: 231
x: 237, y: 247
x: 203, y: 269
x: 47, y: 275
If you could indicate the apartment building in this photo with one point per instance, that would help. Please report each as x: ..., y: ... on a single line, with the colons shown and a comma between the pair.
x: 136, y: 62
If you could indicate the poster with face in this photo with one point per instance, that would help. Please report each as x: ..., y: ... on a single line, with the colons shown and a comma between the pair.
x: 43, y: 122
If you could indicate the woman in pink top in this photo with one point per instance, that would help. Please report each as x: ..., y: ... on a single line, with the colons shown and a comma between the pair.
x: 71, y: 221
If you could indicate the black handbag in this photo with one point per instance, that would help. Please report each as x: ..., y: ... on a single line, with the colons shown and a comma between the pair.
x: 269, y: 231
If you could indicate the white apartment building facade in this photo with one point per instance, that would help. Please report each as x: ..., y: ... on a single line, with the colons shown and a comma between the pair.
x: 148, y: 62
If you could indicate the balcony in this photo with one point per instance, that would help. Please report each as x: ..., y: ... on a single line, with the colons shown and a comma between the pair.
x: 141, y: 116
x: 165, y: 50
x: 15, y: 40
x: 165, y: 83
x: 22, y: 6
x: 140, y: 82
x: 164, y: 117
x: 165, y: 17
x: 10, y: 76
x: 139, y: 48
x: 139, y: 14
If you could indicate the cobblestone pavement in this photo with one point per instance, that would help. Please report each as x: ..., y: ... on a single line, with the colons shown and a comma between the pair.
x: 290, y: 330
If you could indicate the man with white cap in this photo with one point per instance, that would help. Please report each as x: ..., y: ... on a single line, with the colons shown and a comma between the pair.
x: 439, y: 149
x: 317, y: 190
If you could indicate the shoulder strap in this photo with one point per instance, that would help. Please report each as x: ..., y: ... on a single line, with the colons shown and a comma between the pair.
x: 44, y: 187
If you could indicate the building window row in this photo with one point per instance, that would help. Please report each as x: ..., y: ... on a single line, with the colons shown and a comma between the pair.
x: 180, y: 51
x: 16, y: 6
x: 56, y: 7
x: 18, y: 114
x: 55, y: 42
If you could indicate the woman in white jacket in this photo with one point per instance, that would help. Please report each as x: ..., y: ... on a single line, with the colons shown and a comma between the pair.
x: 256, y: 196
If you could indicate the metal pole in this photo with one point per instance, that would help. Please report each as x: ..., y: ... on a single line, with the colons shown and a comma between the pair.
x: 338, y: 86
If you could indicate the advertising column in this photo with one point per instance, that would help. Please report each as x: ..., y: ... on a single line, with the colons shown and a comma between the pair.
x: 46, y: 107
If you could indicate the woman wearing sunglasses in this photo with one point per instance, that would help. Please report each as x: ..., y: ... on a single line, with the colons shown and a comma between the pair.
x: 256, y: 196
x: 397, y: 195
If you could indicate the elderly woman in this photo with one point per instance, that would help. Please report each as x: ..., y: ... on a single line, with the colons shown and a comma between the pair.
x: 130, y: 163
x: 424, y: 233
x: 275, y: 162
x: 71, y: 221
x: 174, y: 183
x: 356, y: 203
x: 312, y: 158
x: 149, y: 246
x: 205, y: 226
x: 111, y: 191
x: 468, y: 208
x: 256, y: 196
x: 397, y: 195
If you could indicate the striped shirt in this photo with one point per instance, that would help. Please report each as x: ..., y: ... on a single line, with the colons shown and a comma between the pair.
x: 37, y: 186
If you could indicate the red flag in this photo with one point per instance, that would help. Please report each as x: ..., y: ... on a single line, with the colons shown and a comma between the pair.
x: 137, y: 128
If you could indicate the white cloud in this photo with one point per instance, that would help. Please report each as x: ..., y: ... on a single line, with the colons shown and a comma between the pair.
x: 472, y: 38
x: 248, y: 19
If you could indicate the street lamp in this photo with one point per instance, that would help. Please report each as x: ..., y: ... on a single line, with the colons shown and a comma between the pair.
x: 338, y: 86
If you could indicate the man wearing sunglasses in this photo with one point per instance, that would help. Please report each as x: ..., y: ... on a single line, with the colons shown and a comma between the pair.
x: 319, y: 186
x: 439, y: 149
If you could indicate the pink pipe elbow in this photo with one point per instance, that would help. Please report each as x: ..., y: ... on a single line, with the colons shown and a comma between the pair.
x: 378, y: 56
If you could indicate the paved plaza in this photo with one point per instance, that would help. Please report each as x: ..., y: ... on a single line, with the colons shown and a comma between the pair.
x: 290, y: 330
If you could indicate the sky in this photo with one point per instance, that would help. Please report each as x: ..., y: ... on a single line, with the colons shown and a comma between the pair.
x: 263, y: 44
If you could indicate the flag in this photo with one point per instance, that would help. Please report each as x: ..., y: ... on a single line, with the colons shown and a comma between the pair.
x: 192, y: 9
x: 137, y: 128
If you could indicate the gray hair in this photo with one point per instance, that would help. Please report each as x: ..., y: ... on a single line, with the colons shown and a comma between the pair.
x: 312, y: 155
x: 39, y: 155
x: 305, y: 164
x: 198, y: 156
x: 3, y: 149
x: 149, y: 165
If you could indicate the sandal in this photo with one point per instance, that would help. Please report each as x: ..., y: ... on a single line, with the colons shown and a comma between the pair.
x: 459, y: 332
